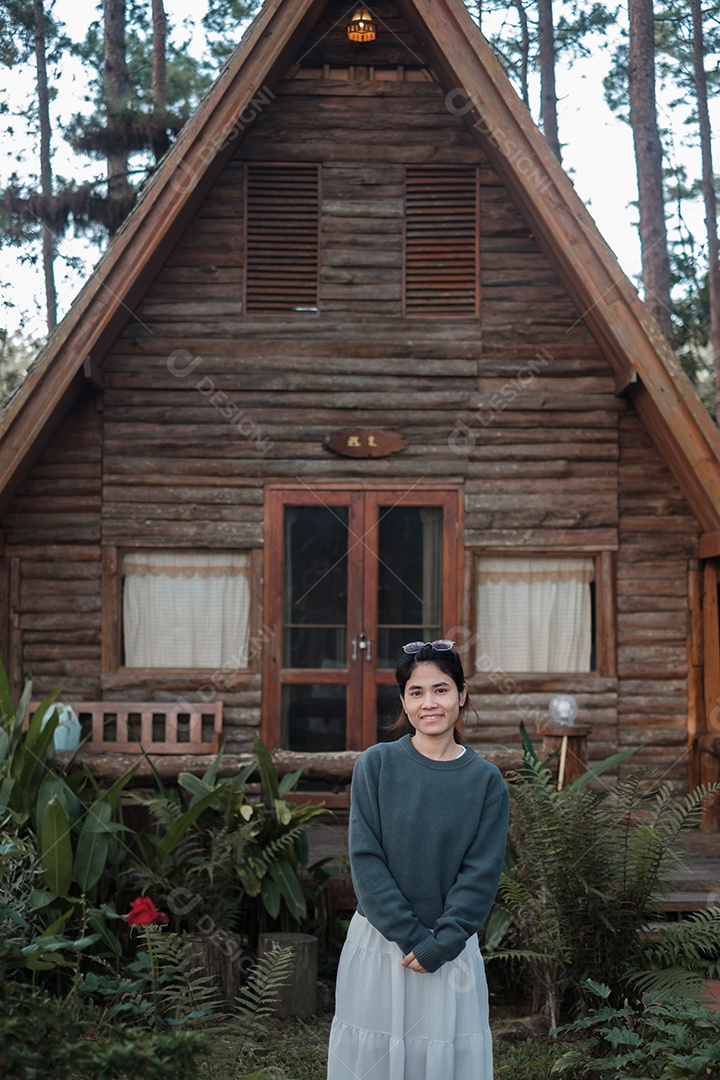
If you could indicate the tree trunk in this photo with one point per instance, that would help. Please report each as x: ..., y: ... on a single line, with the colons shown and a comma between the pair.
x: 159, y: 81
x: 48, y: 238
x: 548, y: 106
x: 709, y: 193
x: 525, y: 46
x: 648, y: 162
x: 116, y: 85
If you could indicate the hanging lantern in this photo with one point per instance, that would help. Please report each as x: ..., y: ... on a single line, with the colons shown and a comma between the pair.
x: 361, y: 27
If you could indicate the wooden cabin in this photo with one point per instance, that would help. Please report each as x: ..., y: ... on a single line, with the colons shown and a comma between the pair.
x: 359, y: 370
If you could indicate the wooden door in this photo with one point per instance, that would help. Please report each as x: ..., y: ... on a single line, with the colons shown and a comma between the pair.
x: 351, y: 575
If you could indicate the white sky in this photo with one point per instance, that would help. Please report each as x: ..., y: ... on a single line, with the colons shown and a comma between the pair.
x: 598, y: 153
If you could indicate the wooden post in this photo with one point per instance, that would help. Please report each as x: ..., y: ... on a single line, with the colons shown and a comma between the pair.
x: 709, y: 764
x: 219, y: 954
x: 571, y: 741
x: 298, y: 997
x: 696, y: 691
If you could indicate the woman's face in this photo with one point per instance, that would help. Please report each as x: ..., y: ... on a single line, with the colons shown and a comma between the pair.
x: 431, y: 700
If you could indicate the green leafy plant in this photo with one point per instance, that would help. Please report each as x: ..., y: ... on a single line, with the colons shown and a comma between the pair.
x: 675, y: 1040
x: 41, y: 1038
x: 586, y: 872
x: 73, y: 825
x: 256, y: 999
x: 27, y: 755
x: 674, y: 958
x: 238, y: 861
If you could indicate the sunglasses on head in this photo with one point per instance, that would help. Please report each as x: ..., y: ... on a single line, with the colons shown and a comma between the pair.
x: 440, y: 646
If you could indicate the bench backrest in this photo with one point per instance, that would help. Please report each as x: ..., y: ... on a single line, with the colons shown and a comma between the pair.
x: 157, y: 727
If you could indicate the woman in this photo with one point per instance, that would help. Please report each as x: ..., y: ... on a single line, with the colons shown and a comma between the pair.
x: 428, y: 826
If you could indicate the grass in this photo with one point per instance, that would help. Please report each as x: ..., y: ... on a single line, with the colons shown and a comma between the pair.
x: 530, y: 1059
x: 297, y: 1050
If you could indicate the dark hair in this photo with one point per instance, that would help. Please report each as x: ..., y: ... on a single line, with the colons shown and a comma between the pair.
x: 449, y: 663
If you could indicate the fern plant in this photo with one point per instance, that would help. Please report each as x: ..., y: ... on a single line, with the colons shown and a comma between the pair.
x: 586, y: 872
x: 675, y: 1040
x: 675, y: 958
x: 257, y: 998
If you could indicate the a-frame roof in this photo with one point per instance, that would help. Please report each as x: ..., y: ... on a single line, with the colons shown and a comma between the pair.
x: 644, y: 364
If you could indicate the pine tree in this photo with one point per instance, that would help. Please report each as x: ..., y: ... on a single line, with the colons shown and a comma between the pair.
x: 533, y: 38
x: 685, y: 37
x: 648, y: 162
x: 546, y: 56
x: 223, y: 22
x: 16, y: 354
x: 147, y: 91
x: 708, y: 188
x: 27, y: 31
x: 46, y: 179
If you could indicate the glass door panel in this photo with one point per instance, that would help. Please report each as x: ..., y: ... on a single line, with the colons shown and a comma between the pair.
x: 410, y: 578
x: 314, y: 717
x: 315, y: 592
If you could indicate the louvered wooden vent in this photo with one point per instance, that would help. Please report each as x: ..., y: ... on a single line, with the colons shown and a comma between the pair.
x: 282, y: 238
x: 442, y: 250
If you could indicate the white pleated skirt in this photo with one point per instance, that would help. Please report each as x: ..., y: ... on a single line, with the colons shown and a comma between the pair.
x: 391, y: 1023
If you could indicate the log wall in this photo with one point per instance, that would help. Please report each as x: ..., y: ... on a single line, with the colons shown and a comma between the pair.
x: 554, y: 461
x: 657, y: 541
x: 52, y: 534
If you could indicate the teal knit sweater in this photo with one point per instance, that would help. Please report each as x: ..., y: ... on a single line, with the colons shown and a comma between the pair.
x: 427, y: 840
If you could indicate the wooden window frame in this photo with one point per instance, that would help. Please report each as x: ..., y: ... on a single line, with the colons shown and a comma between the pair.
x: 117, y: 677
x: 263, y: 312
x: 431, y: 315
x: 605, y: 622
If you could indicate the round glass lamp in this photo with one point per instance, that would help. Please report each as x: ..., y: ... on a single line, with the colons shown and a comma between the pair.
x: 563, y: 708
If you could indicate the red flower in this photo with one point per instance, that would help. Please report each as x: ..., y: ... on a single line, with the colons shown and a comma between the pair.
x: 143, y: 912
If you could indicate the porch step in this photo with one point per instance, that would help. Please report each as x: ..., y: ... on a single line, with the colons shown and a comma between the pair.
x: 691, y: 900
x: 694, y: 883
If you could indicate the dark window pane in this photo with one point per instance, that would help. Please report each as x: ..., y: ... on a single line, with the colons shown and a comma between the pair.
x: 314, y: 717
x: 409, y: 579
x: 315, y: 595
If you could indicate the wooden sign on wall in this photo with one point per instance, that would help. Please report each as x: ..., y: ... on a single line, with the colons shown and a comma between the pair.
x: 365, y: 443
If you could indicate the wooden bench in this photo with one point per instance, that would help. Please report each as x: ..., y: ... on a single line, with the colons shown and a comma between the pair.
x: 153, y: 727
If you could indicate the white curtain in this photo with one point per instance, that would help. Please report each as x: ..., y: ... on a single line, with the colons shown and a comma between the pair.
x: 432, y: 572
x: 534, y: 614
x: 186, y: 610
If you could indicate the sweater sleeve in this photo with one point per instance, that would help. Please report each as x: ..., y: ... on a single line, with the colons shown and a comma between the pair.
x: 381, y: 900
x: 470, y: 898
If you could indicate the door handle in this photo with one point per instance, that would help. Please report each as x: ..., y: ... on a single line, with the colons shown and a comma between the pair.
x: 365, y: 644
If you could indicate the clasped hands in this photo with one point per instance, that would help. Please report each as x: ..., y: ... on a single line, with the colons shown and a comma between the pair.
x: 409, y: 961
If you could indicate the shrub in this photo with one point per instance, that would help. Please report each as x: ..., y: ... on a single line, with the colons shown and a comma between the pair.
x: 674, y: 1040
x: 235, y: 861
x: 586, y: 872
x: 41, y: 1039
